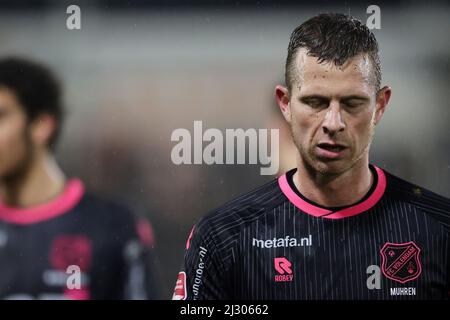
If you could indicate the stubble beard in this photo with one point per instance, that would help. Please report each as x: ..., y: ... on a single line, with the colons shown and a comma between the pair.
x: 314, y: 165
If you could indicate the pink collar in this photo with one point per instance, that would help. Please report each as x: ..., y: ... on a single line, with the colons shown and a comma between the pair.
x: 68, y: 199
x: 344, y: 213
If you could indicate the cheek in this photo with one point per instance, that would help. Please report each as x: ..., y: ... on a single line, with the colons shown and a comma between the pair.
x: 305, y: 122
x: 12, y: 141
x: 363, y: 129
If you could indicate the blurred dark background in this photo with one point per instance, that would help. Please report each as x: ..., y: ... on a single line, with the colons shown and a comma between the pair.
x: 137, y: 70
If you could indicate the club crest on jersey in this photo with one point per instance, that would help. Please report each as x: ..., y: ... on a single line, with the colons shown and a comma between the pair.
x: 401, y: 261
x: 69, y: 250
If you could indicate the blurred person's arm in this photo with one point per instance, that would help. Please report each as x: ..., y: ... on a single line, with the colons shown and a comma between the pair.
x: 125, y: 266
x: 140, y: 275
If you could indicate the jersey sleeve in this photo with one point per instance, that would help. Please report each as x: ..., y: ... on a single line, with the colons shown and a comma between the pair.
x: 139, y: 279
x: 129, y: 256
x: 203, y: 275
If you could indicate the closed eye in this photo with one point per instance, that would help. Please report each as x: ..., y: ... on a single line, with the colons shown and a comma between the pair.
x: 315, y: 102
x: 354, y: 102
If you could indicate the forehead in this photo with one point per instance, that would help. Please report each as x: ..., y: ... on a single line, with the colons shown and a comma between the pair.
x: 354, y: 77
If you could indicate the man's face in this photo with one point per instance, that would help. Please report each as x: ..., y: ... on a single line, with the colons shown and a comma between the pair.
x: 332, y: 112
x: 15, y: 146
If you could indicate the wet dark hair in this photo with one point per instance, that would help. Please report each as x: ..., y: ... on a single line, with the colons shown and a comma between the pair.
x: 333, y: 37
x: 35, y: 87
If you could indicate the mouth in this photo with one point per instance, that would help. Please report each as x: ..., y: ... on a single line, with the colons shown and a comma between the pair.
x: 330, y: 150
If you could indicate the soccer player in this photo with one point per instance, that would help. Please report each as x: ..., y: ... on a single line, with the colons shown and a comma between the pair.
x: 336, y: 226
x: 56, y: 240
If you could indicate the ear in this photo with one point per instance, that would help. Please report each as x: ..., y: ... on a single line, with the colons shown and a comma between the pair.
x: 383, y: 96
x: 283, y: 100
x: 42, y: 129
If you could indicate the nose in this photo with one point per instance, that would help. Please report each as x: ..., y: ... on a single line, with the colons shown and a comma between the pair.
x: 333, y: 121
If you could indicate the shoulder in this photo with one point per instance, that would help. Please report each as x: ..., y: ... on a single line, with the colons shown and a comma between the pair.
x: 229, y: 219
x: 429, y: 202
x: 112, y: 218
x: 105, y: 208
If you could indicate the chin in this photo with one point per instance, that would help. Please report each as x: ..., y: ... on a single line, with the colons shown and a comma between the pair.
x: 334, y: 167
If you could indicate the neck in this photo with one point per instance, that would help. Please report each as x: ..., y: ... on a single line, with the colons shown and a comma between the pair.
x: 41, y: 181
x: 332, y: 190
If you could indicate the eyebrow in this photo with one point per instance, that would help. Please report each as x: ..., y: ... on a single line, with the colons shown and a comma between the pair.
x: 313, y: 96
x: 344, y: 98
x: 355, y: 97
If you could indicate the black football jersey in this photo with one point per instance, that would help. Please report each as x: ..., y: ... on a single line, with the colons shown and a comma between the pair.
x: 273, y: 243
x: 75, y: 247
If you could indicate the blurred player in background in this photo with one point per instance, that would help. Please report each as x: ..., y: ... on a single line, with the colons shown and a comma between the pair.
x: 56, y: 240
x: 336, y: 226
